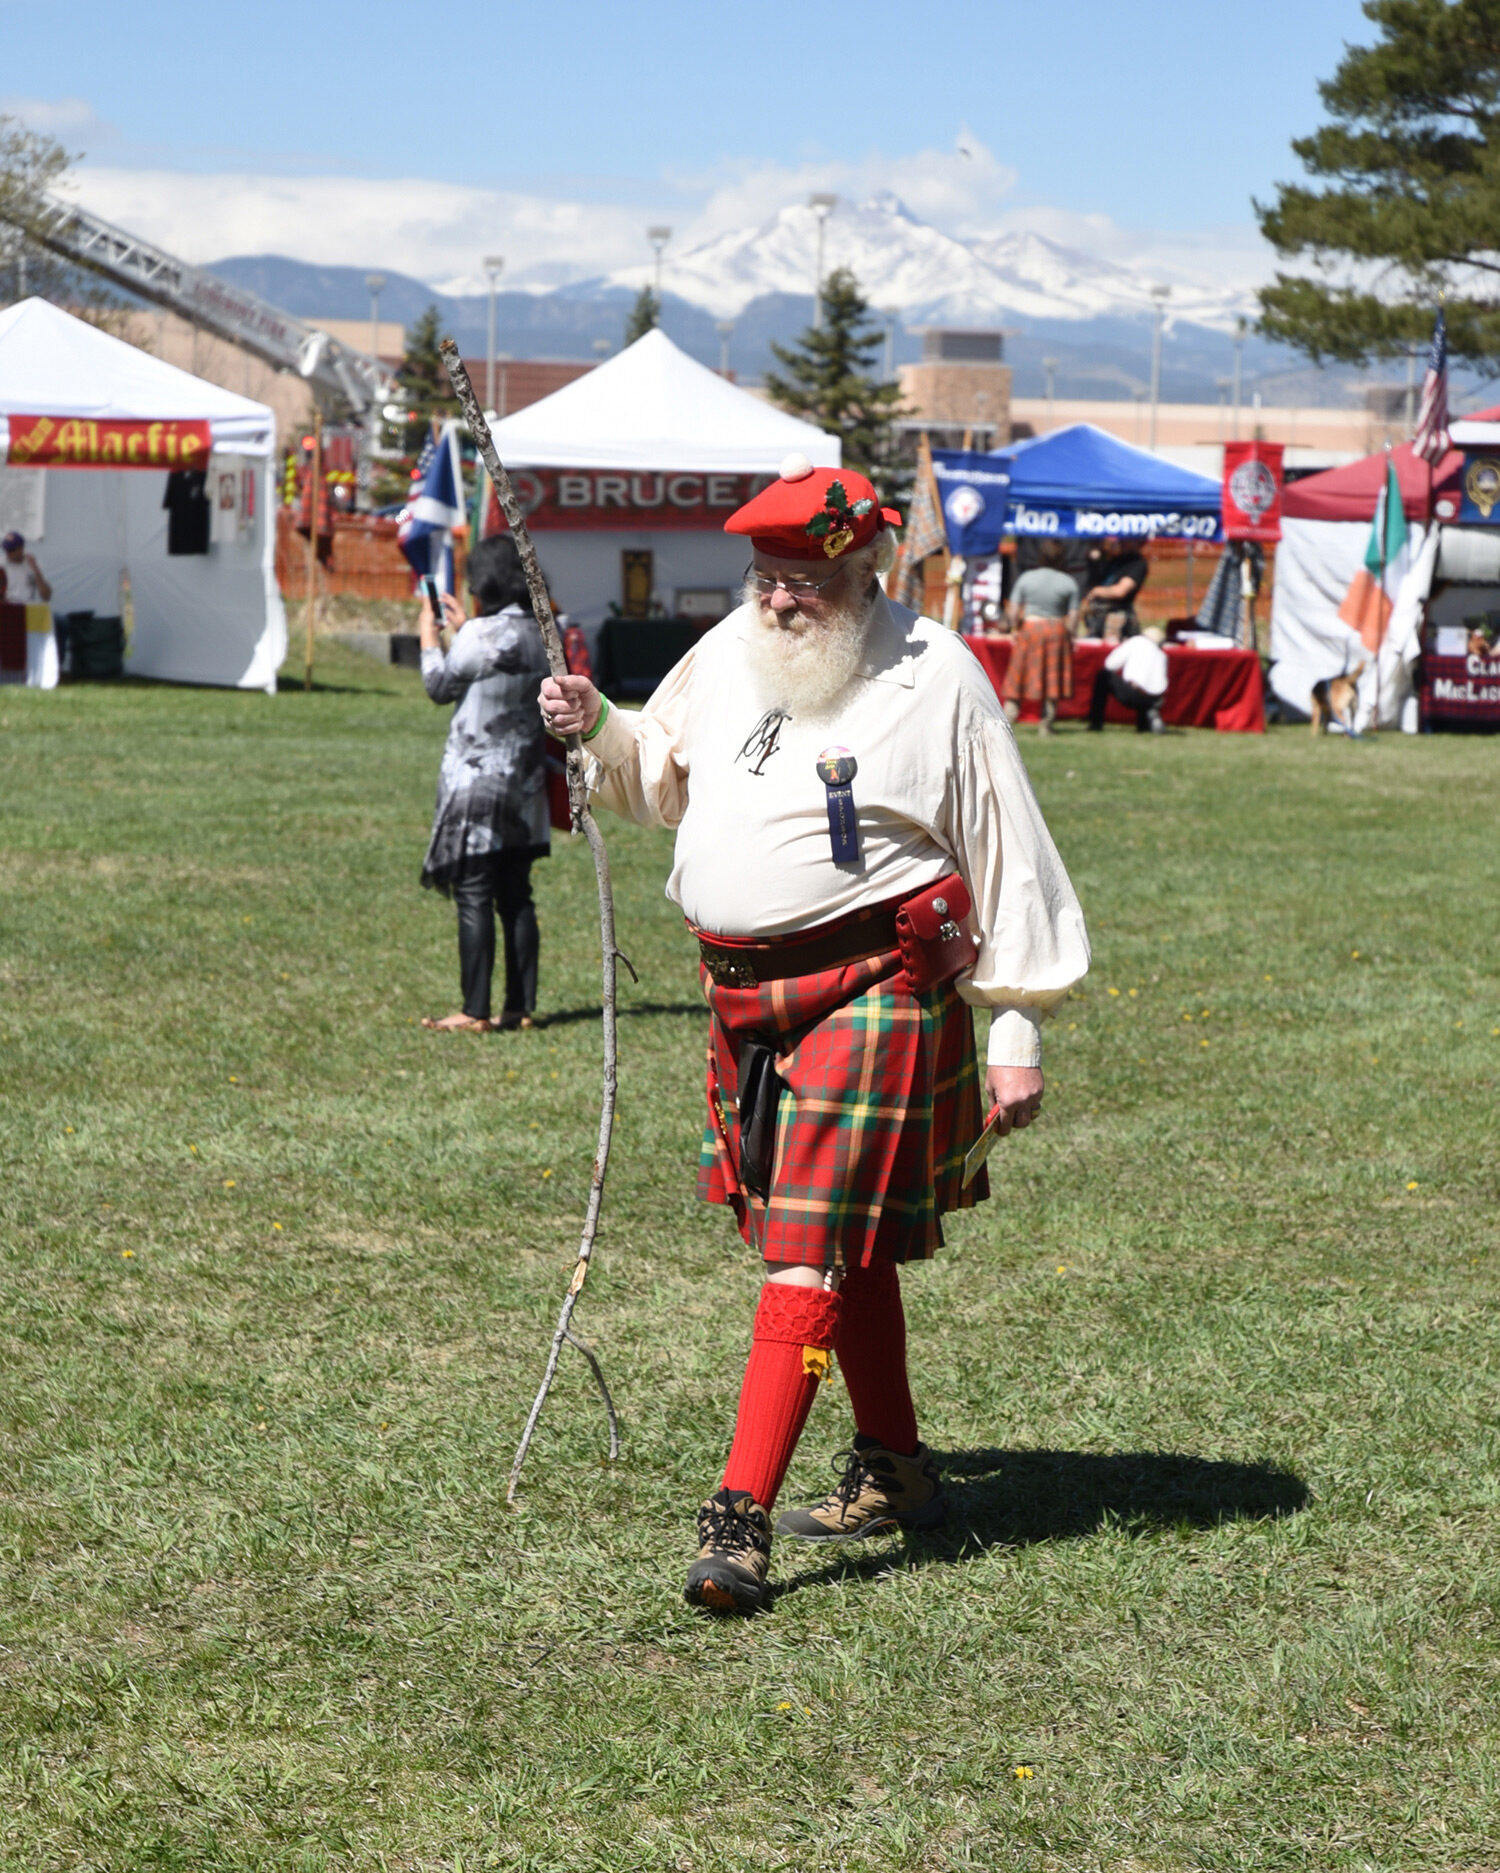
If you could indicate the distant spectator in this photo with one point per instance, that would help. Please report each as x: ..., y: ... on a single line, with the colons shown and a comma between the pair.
x: 1116, y: 573
x: 1043, y: 603
x: 492, y: 819
x: 1135, y: 674
x: 23, y: 582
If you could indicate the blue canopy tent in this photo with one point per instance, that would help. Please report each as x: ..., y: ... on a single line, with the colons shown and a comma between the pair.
x: 1077, y: 483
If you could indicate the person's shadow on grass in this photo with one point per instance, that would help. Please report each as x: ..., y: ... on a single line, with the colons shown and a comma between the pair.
x: 1011, y: 1498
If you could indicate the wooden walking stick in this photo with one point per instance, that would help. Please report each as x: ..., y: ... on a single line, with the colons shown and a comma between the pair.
x: 583, y: 820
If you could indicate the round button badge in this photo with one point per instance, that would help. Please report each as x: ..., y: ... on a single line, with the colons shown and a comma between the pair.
x: 836, y: 767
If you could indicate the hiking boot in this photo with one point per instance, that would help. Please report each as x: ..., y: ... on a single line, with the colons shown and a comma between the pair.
x: 878, y: 1490
x: 734, y: 1555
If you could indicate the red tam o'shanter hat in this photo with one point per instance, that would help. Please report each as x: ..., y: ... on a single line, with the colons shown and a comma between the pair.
x: 812, y: 513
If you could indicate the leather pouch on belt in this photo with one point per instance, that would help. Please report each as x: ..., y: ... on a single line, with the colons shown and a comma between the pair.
x: 759, y: 1089
x: 935, y: 947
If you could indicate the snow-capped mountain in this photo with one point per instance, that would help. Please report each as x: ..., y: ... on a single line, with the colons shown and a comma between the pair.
x: 910, y: 268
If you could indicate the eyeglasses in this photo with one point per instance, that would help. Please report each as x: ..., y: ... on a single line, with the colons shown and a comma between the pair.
x: 766, y: 583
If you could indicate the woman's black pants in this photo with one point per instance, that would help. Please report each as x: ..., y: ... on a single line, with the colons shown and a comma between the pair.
x: 496, y: 881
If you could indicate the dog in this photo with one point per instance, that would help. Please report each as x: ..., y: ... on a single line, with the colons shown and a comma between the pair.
x: 1334, y: 699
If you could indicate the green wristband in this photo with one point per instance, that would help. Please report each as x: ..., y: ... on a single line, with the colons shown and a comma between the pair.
x: 603, y: 717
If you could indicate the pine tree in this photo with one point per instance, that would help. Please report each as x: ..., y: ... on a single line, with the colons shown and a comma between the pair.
x: 645, y: 316
x: 423, y: 387
x: 830, y: 379
x: 1411, y: 164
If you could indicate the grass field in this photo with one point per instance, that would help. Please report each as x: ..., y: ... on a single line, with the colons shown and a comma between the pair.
x: 1214, y: 1376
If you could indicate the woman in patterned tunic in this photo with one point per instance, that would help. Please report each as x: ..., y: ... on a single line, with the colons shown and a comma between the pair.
x: 491, y: 818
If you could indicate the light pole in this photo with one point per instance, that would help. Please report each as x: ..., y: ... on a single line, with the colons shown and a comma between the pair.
x: 494, y: 265
x: 1411, y: 388
x: 725, y: 329
x: 1049, y: 365
x: 822, y: 206
x: 375, y: 286
x: 1239, y: 370
x: 1160, y: 294
x: 658, y: 238
x: 890, y: 314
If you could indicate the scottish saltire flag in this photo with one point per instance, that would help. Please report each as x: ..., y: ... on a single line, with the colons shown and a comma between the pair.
x: 1431, y: 441
x: 1372, y: 591
x: 434, y: 509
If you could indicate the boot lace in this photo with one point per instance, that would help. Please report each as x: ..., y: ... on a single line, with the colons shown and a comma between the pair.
x: 856, y: 1474
x: 728, y: 1532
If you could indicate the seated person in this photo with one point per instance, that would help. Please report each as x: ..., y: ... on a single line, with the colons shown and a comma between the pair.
x: 1111, y: 585
x: 1135, y: 674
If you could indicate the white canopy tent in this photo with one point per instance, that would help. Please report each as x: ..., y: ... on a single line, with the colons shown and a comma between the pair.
x: 89, y: 431
x: 651, y: 434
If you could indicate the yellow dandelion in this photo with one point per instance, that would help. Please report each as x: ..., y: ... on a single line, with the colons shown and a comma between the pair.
x: 1024, y: 1772
x: 1413, y: 1185
x: 1458, y: 1024
x: 234, y: 1079
x: 785, y: 1704
x: 127, y: 1255
x: 192, y: 1148
x: 1203, y: 1043
x: 67, y: 1128
x: 1265, y: 978
x: 1374, y: 1060
x: 1062, y: 1268
x: 1113, y: 991
x: 229, y: 1183
x: 547, y: 1172
x: 276, y: 1225
x: 1132, y: 993
x: 247, y: 920
x: 1354, y: 955
x: 386, y: 1426
x: 1072, y: 1027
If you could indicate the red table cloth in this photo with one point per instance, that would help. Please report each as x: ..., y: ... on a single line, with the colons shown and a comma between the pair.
x: 1219, y: 689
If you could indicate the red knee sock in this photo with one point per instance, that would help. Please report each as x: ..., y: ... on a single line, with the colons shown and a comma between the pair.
x: 871, y: 1347
x: 781, y: 1380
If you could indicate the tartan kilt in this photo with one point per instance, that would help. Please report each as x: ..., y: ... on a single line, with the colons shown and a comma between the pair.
x: 881, y: 1101
x: 1041, y: 662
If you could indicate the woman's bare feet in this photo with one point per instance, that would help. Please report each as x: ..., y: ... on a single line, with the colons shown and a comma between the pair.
x: 456, y: 1024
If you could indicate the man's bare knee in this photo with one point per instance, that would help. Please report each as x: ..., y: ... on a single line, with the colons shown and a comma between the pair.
x: 798, y: 1275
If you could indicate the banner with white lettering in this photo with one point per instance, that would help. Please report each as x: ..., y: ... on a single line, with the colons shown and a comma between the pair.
x: 625, y: 500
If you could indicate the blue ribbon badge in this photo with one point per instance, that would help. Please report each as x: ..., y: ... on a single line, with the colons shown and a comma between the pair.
x: 836, y: 769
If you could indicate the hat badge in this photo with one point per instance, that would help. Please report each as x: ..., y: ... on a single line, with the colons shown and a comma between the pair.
x: 834, y: 525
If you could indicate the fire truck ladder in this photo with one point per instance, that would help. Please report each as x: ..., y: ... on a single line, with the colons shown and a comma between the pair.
x: 343, y: 381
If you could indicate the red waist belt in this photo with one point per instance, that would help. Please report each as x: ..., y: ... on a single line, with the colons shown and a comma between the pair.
x: 926, y: 927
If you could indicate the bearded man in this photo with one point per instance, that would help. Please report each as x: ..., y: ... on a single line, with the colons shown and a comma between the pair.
x: 861, y: 858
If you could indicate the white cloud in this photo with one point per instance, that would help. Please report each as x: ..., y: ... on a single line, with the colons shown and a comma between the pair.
x: 439, y: 231
x: 67, y: 119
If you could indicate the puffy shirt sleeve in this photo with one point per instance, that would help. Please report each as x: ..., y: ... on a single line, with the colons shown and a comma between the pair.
x: 1033, y: 944
x: 639, y: 766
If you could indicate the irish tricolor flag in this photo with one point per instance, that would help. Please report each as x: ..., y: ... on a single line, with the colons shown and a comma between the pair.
x: 1372, y: 591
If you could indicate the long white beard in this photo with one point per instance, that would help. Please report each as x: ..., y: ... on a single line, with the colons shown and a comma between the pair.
x: 804, y: 667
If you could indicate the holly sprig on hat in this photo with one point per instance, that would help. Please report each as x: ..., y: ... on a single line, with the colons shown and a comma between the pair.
x: 836, y: 511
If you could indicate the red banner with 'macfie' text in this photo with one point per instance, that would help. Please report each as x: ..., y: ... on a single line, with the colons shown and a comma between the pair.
x: 84, y: 442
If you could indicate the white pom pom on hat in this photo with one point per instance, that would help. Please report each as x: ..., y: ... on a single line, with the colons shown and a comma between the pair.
x: 795, y: 467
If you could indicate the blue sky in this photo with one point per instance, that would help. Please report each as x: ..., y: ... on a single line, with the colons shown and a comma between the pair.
x: 1135, y: 127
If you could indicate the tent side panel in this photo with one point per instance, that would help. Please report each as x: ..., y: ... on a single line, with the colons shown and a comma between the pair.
x: 82, y: 546
x: 199, y: 618
x: 583, y: 569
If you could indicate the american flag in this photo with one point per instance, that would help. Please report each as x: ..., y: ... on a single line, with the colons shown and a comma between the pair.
x: 924, y: 533
x: 1431, y: 440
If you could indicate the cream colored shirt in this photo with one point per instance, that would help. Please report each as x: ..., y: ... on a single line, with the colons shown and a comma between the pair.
x: 939, y: 786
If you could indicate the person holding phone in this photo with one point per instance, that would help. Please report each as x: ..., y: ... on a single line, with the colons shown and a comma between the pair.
x: 491, y: 821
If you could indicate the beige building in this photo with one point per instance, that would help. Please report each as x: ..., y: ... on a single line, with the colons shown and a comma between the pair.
x: 179, y: 342
x: 1349, y: 431
x: 962, y: 384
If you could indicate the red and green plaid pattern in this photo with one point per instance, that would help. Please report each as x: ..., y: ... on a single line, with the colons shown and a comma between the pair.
x: 882, y: 1101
